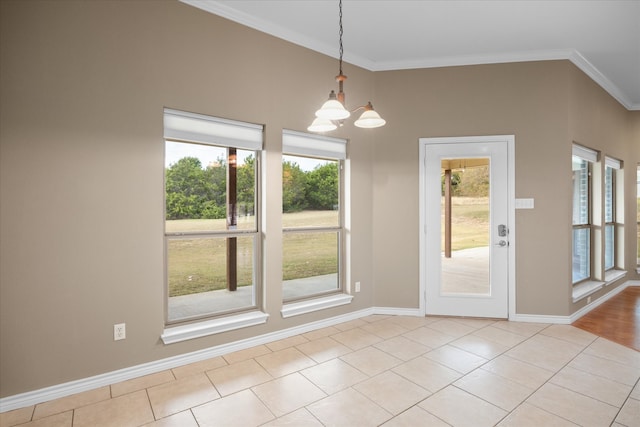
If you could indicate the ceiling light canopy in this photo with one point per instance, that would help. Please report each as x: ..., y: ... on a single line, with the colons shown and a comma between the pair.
x: 333, y: 111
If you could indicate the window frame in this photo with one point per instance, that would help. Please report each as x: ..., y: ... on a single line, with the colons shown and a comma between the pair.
x: 320, y: 147
x: 198, y: 129
x: 614, y: 166
x: 590, y: 157
x: 637, y: 218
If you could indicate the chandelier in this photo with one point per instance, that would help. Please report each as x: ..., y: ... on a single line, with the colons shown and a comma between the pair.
x: 333, y: 111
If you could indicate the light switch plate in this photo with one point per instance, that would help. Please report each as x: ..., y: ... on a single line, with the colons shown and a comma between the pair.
x: 524, y: 203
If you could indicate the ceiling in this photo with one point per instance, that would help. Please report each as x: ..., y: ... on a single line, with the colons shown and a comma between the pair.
x: 602, y: 37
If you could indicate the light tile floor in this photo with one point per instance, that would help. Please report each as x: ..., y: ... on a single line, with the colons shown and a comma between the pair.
x: 379, y: 370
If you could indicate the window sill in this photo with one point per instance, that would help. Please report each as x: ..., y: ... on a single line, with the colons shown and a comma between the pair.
x: 309, y: 306
x: 613, y: 275
x: 585, y: 289
x: 214, y: 326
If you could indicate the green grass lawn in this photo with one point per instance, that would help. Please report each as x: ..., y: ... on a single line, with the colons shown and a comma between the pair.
x: 199, y: 265
x: 469, y: 223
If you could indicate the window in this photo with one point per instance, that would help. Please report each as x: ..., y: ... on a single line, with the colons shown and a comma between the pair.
x: 312, y: 215
x: 582, y: 161
x: 638, y: 214
x: 211, y: 221
x: 611, y: 222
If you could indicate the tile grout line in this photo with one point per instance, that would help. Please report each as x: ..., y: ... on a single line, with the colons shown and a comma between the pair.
x: 555, y: 372
x: 548, y: 381
x: 637, y: 384
x: 153, y: 413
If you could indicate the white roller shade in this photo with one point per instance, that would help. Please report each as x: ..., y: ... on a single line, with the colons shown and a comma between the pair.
x: 183, y: 126
x: 585, y: 153
x: 306, y: 144
x: 612, y: 163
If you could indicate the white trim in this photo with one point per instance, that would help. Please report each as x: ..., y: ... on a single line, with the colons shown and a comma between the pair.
x: 567, y: 320
x: 611, y: 276
x: 193, y: 127
x: 590, y: 287
x: 584, y: 310
x: 586, y: 288
x: 65, y: 389
x: 540, y: 318
x: 422, y: 230
x: 295, y: 37
x: 612, y: 162
x: 511, y: 194
x: 572, y: 55
x: 214, y: 326
x: 311, y: 305
x: 307, y: 144
x: 395, y: 311
x: 585, y: 153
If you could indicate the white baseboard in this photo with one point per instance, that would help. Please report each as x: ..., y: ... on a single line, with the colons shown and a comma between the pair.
x: 65, y: 389
x: 540, y: 318
x: 587, y: 308
x: 85, y: 384
x: 567, y: 320
x: 394, y: 311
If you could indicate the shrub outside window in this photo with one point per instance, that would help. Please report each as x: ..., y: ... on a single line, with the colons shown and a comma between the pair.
x: 211, y: 221
x: 312, y: 215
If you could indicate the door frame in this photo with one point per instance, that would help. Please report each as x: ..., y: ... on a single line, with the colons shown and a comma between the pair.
x: 511, y: 276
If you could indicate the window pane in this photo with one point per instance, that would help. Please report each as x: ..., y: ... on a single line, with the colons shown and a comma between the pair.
x: 310, y: 263
x: 465, y: 228
x: 580, y: 191
x: 638, y: 194
x: 196, y: 188
x: 310, y: 192
x: 608, y: 194
x: 609, y: 248
x: 581, y: 262
x: 197, y: 275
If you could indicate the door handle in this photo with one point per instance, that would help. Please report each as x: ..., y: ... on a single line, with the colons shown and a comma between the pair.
x: 502, y: 243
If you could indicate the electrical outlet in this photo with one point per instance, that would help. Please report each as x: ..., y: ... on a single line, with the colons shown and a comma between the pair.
x: 588, y: 300
x: 119, y: 331
x: 357, y: 286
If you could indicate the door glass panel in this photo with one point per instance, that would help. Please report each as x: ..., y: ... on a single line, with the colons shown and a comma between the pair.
x: 465, y: 225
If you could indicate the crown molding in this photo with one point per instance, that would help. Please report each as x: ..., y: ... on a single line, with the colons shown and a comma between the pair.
x: 220, y: 9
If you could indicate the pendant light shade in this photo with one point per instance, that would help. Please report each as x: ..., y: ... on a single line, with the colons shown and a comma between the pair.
x: 370, y: 118
x: 332, y: 109
x: 321, y: 125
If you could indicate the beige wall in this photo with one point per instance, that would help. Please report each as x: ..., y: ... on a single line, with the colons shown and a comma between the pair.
x: 83, y: 85
x: 599, y: 122
x: 546, y: 105
x: 528, y: 100
x: 83, y: 89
